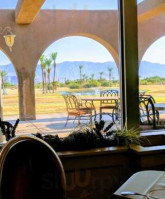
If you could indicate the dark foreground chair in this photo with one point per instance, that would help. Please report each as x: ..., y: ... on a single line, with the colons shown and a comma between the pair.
x: 30, y: 169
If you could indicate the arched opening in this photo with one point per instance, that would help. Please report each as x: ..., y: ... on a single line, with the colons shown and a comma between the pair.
x: 152, y: 75
x: 9, y: 93
x: 83, y: 67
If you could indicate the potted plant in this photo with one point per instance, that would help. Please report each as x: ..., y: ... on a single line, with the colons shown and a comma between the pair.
x: 95, y: 136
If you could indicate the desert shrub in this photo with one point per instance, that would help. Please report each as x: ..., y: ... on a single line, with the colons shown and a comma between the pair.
x: 38, y: 85
x: 92, y: 83
x: 74, y: 86
x: 143, y: 82
x: 61, y: 84
x: 7, y: 84
x: 87, y: 85
x: 156, y: 80
x: 67, y: 82
x: 106, y: 83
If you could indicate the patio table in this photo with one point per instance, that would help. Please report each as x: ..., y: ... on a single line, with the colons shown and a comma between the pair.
x: 94, y: 99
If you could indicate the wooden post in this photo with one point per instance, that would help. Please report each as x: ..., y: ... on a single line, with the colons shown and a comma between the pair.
x: 2, y: 137
x: 1, y: 102
x: 128, y: 52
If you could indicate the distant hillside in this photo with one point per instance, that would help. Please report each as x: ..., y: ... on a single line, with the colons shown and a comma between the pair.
x: 148, y: 69
x: 70, y: 70
x: 11, y: 73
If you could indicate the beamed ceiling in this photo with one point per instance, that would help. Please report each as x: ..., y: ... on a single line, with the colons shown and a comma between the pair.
x: 26, y: 10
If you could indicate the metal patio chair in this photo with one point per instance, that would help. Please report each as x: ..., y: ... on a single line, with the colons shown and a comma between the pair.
x: 78, y: 109
x: 148, y: 114
x: 111, y: 107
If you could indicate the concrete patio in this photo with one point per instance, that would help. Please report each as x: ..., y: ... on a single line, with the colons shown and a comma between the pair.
x: 48, y: 124
x: 45, y: 124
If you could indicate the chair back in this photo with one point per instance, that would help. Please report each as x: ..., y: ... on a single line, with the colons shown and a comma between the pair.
x: 148, y: 114
x: 72, y: 103
x: 30, y: 169
x: 109, y: 93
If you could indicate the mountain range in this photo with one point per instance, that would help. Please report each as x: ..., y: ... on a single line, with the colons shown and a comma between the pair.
x: 70, y: 70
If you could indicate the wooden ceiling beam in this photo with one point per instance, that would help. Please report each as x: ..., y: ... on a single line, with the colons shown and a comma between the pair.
x: 27, y: 10
x: 149, y: 9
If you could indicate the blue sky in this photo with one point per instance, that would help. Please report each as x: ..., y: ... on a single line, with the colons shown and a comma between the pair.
x: 82, y: 4
x: 69, y: 4
x: 81, y: 48
x: 77, y: 48
x: 156, y: 52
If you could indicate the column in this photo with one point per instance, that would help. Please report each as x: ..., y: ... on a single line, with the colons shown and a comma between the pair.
x: 2, y: 137
x: 26, y: 94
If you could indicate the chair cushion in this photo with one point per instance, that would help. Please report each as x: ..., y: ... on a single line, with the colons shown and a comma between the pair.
x: 82, y: 111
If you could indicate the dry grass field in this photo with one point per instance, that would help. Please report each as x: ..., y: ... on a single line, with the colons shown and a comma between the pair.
x: 54, y: 102
x: 157, y: 91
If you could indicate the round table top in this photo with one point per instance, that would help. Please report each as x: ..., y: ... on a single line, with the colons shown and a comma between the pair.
x: 99, y: 98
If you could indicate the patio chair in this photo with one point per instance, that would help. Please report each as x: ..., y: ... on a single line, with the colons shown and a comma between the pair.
x: 30, y: 169
x: 148, y: 114
x: 78, y: 109
x: 112, y: 106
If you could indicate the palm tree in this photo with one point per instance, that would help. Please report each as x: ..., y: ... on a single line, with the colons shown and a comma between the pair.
x: 3, y: 75
x: 92, y: 76
x: 42, y: 60
x: 45, y: 73
x: 80, y: 68
x: 53, y: 57
x: 110, y: 73
x: 85, y: 77
x: 101, y: 73
x: 48, y: 69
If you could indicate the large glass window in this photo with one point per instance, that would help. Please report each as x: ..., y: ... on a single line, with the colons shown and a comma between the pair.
x: 151, y: 65
x: 9, y: 85
x: 84, y: 68
x: 151, y: 78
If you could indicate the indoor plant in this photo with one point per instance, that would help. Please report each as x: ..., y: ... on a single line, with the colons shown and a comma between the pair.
x: 94, y: 136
